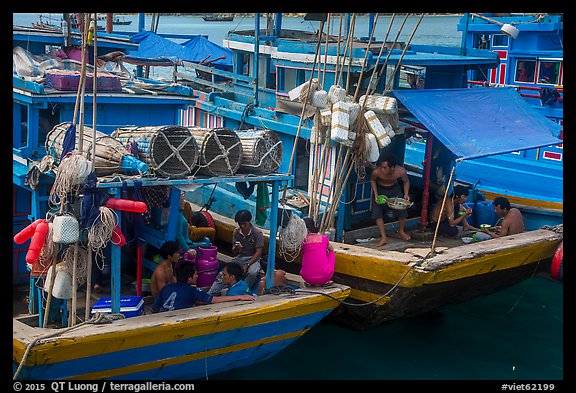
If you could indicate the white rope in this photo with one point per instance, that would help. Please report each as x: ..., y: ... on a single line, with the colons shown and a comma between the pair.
x: 81, y: 263
x: 291, y: 238
x: 100, y: 233
x: 68, y: 176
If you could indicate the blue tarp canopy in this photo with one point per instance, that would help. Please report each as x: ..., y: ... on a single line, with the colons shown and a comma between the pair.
x: 204, y: 47
x: 159, y: 50
x: 479, y: 122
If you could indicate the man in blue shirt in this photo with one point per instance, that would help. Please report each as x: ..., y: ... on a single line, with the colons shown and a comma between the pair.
x: 232, y: 276
x: 180, y: 294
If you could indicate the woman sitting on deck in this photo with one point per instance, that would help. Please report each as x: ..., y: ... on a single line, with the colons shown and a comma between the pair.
x: 318, y: 257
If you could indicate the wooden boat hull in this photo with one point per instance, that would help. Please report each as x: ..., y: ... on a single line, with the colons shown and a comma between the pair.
x: 183, y: 344
x: 402, y: 284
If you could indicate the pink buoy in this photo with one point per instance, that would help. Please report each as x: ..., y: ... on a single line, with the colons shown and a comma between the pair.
x: 207, y: 264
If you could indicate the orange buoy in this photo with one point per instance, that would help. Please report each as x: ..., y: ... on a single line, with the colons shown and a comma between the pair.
x: 37, y: 242
x: 26, y: 233
x: 118, y: 237
x: 126, y: 205
x: 557, y: 268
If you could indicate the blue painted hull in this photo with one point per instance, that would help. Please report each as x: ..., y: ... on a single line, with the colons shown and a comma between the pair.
x: 178, y: 345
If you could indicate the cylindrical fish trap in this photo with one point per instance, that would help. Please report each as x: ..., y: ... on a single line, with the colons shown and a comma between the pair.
x: 261, y: 151
x: 220, y: 151
x: 110, y: 155
x: 169, y: 151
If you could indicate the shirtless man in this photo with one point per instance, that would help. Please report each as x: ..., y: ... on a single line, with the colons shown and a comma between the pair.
x: 384, y: 181
x: 512, y: 223
x: 163, y: 274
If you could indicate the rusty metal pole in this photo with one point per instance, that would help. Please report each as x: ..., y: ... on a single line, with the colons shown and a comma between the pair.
x: 109, y: 22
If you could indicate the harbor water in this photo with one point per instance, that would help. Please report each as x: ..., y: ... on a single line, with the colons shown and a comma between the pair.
x: 514, y: 335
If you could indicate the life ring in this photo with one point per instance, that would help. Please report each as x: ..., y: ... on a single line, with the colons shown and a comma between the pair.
x: 557, y: 268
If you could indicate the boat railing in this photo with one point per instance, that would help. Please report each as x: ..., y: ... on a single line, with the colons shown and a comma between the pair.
x: 519, y: 88
x: 206, y: 76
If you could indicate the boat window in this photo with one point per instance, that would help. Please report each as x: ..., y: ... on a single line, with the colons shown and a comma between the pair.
x: 500, y: 40
x: 525, y: 71
x: 482, y: 41
x: 549, y: 72
x: 286, y: 79
x: 244, y: 65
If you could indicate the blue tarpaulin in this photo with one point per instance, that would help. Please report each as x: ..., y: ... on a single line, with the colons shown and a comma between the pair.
x: 159, y: 49
x: 204, y: 47
x: 479, y: 122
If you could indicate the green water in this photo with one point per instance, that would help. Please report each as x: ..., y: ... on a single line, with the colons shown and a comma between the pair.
x: 514, y: 335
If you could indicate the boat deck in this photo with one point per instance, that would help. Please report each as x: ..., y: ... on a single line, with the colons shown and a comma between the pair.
x: 370, y: 237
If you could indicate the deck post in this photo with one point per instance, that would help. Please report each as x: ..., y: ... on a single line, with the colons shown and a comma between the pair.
x: 425, y: 192
x: 115, y: 265
x: 273, y: 230
x: 256, y: 55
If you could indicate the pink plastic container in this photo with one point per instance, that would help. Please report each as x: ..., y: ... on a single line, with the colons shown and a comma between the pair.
x: 207, y: 265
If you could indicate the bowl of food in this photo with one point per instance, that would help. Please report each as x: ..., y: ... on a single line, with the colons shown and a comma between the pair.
x: 467, y: 239
x: 398, y: 203
x: 381, y: 199
x: 485, y: 226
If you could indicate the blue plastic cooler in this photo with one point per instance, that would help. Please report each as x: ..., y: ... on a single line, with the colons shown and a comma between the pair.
x: 130, y: 306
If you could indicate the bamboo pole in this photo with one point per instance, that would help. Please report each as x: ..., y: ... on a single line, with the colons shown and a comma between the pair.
x: 441, y: 210
x: 403, y: 52
x: 320, y: 29
x: 316, y: 160
x: 366, y: 57
x: 76, y: 107
x: 338, y: 52
x: 390, y: 51
x: 351, y: 51
x: 326, y: 51
x: 89, y: 259
x: 370, y: 88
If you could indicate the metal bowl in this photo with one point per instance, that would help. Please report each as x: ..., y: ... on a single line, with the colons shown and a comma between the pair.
x: 467, y: 239
x: 398, y: 203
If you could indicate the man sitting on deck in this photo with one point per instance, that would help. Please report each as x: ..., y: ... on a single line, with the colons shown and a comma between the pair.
x: 181, y: 294
x: 384, y: 181
x: 247, y: 245
x: 512, y: 223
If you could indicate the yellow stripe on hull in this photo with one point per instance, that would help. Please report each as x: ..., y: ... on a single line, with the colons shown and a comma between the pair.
x: 157, y: 364
x: 527, y: 202
x: 84, y: 346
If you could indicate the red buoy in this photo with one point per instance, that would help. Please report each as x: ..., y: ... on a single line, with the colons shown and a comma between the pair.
x: 126, y: 205
x: 556, y: 270
x: 37, y: 242
x: 118, y: 237
x: 26, y: 233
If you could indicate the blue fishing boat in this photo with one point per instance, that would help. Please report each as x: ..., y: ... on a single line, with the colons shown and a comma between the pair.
x: 530, y: 50
x: 59, y: 338
x: 401, y: 278
x: 329, y: 189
